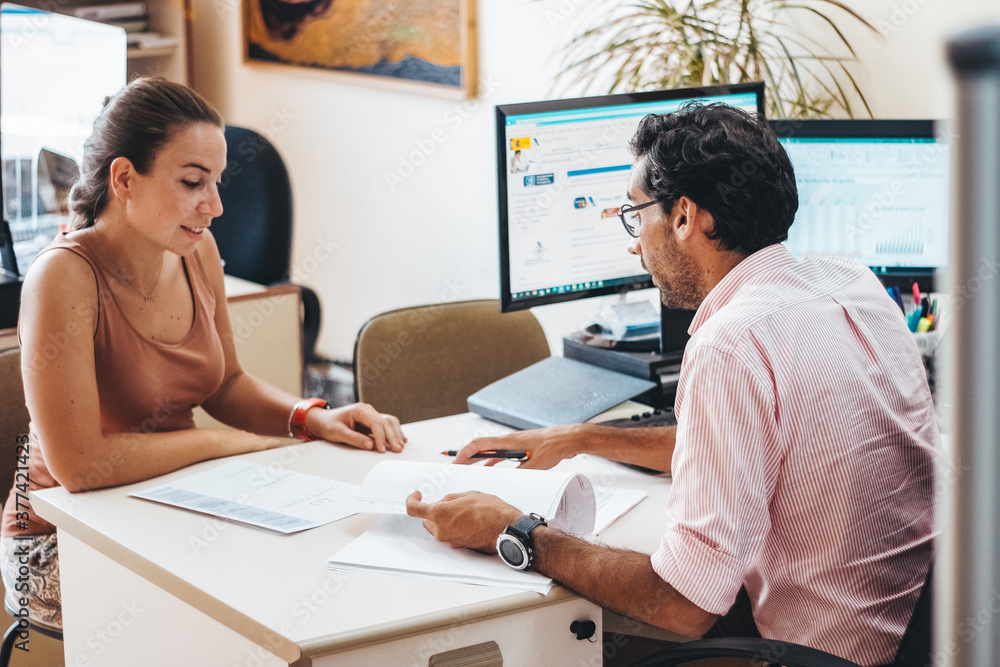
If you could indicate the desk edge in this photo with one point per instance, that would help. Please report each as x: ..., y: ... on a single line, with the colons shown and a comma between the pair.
x: 261, y: 635
x: 474, y: 613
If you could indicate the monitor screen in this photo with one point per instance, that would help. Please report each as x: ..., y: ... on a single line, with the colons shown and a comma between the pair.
x: 562, y: 173
x: 875, y: 191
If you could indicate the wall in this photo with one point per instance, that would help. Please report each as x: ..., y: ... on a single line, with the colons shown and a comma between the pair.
x: 367, y: 245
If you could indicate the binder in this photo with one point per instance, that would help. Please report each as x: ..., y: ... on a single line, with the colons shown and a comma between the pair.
x: 555, y: 391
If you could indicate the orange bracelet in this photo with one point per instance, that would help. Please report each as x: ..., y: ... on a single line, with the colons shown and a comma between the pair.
x: 297, y: 420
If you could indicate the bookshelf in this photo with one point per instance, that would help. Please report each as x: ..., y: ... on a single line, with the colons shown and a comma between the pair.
x: 169, y: 18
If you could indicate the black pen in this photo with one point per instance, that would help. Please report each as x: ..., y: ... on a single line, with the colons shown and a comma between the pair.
x: 495, y: 454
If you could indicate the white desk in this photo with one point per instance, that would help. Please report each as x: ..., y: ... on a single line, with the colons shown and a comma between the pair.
x: 148, y: 584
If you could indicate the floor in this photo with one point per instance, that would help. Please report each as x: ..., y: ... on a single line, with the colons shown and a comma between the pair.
x: 331, y: 380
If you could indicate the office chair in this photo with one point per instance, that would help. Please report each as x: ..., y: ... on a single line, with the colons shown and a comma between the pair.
x: 914, y: 649
x: 254, y: 232
x: 13, y: 422
x: 424, y: 362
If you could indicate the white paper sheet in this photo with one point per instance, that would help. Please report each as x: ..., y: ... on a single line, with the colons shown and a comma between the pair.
x: 612, y: 503
x: 565, y: 498
x: 399, y: 545
x: 263, y: 496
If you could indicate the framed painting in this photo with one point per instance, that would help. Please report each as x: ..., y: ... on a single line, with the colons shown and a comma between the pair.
x: 423, y: 45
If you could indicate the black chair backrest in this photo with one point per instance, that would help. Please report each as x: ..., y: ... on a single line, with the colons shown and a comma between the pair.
x: 254, y: 232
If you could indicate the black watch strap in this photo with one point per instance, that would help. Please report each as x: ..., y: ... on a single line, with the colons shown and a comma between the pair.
x: 527, y: 523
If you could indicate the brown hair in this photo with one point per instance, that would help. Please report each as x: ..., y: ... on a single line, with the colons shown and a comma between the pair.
x: 136, y: 123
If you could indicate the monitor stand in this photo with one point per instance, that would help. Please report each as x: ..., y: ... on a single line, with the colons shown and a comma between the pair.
x: 650, y: 363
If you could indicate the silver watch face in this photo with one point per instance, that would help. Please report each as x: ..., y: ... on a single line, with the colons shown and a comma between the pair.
x: 513, y: 552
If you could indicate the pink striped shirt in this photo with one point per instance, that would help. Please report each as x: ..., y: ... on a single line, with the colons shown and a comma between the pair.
x: 804, y: 460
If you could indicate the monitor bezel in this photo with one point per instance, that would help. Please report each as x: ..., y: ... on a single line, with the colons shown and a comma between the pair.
x: 502, y: 111
x: 836, y: 128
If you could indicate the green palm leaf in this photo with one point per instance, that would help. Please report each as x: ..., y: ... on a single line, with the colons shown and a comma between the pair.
x: 668, y: 43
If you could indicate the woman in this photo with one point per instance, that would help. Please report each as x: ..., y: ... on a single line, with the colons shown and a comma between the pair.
x: 124, y: 329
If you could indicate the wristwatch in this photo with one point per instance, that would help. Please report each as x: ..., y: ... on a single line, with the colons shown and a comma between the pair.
x: 515, y: 545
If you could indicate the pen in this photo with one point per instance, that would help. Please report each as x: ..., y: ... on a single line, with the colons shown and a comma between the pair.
x: 495, y: 454
x: 897, y: 294
x: 916, y: 296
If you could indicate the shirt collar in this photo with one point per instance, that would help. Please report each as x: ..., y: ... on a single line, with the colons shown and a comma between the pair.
x: 765, y: 260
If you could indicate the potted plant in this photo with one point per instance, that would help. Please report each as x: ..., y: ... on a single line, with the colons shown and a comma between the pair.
x: 655, y: 44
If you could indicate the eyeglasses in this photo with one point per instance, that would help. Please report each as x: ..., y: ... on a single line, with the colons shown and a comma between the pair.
x: 630, y: 216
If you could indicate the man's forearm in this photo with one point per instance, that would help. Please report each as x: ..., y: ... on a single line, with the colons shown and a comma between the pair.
x: 647, y: 447
x: 619, y: 580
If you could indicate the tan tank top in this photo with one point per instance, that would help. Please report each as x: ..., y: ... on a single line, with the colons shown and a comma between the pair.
x: 144, y: 386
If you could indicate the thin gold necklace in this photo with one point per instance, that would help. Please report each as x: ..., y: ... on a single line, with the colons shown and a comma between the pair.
x: 121, y: 275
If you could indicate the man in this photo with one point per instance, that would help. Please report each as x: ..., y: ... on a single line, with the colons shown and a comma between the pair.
x: 802, y: 456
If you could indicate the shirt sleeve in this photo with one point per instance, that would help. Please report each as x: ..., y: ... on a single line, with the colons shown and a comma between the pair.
x: 724, y: 469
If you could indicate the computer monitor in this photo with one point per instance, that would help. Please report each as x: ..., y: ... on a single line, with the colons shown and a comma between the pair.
x: 875, y: 191
x: 562, y: 173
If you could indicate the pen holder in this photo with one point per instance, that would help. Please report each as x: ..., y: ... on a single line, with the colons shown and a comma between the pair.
x: 927, y: 343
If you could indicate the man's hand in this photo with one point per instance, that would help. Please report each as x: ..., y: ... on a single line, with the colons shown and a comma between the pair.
x: 648, y: 447
x: 358, y: 425
x: 472, y: 520
x: 548, y: 446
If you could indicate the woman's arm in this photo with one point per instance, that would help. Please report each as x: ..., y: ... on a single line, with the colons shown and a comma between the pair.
x: 249, y: 403
x: 58, y: 321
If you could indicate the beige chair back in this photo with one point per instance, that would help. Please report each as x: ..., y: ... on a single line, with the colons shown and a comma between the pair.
x: 424, y: 362
x: 13, y: 416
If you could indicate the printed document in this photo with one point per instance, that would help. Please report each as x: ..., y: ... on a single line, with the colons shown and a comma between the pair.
x: 259, y: 495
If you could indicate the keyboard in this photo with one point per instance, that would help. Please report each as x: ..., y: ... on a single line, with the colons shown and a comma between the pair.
x: 661, y: 417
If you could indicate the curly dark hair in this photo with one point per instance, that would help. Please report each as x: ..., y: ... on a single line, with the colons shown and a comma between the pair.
x: 135, y: 123
x: 728, y: 162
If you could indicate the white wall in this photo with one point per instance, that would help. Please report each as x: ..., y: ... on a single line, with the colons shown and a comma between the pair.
x: 433, y: 237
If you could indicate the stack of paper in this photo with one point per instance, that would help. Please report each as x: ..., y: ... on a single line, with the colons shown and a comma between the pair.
x: 401, y: 546
x: 563, y: 497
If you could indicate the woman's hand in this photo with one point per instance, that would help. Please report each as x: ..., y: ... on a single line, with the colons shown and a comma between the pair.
x: 358, y: 425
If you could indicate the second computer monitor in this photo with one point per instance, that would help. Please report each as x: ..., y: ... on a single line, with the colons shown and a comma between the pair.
x: 563, y: 169
x: 874, y: 191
